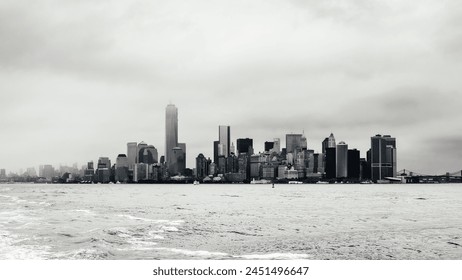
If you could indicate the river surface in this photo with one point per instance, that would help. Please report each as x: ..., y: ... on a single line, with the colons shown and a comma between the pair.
x: 231, y: 221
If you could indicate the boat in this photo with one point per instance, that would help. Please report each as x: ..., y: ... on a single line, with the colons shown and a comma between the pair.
x: 196, y: 182
x: 366, y: 182
x: 322, y: 182
x: 262, y: 181
x: 295, y: 182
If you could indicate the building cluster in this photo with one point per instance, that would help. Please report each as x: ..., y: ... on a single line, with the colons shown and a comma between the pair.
x: 336, y: 162
x: 234, y: 163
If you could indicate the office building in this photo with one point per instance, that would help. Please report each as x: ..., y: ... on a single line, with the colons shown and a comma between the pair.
x: 178, y: 162
x: 354, y: 165
x: 269, y: 146
x: 132, y: 154
x: 331, y: 165
x: 147, y: 154
x: 103, y: 172
x: 224, y: 138
x: 202, y: 167
x: 276, y: 145
x: 221, y: 165
x: 232, y: 150
x: 215, y: 151
x: 293, y: 142
x: 185, y: 153
x: 303, y: 142
x: 383, y: 157
x: 325, y: 143
x: 244, y: 146
x: 232, y: 164
x: 365, y: 171
x: 341, y: 159
x: 171, y: 132
x: 331, y: 141
x: 121, y: 168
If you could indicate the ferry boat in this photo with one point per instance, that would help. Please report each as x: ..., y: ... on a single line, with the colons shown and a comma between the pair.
x: 262, y: 181
x: 295, y: 182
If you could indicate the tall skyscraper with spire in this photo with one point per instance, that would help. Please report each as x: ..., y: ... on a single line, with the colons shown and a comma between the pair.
x: 171, y: 131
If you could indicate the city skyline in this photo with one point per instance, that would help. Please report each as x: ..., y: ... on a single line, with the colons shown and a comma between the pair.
x: 78, y: 81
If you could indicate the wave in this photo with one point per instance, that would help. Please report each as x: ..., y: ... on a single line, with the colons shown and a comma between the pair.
x: 166, y: 222
x: 193, y: 253
x: 276, y: 256
x: 136, y: 218
x: 89, y: 212
x: 10, y: 249
x: 134, y: 239
x: 85, y: 254
x: 169, y: 228
x: 153, y: 234
x: 17, y: 200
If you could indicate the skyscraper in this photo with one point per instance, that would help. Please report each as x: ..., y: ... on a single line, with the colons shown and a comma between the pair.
x: 121, y: 172
x: 183, y: 147
x: 331, y: 141
x: 224, y: 138
x: 244, y: 145
x: 303, y: 142
x: 268, y: 146
x: 354, y: 164
x: 202, y: 168
x: 383, y: 157
x: 341, y: 158
x: 139, y: 156
x: 178, y: 164
x: 325, y: 145
x: 277, y: 145
x: 215, y: 151
x: 232, y: 150
x: 132, y: 151
x: 293, y: 142
x: 171, y: 131
x: 147, y: 154
x: 103, y: 173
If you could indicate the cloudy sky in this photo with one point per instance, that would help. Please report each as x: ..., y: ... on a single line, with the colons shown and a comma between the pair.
x: 80, y: 79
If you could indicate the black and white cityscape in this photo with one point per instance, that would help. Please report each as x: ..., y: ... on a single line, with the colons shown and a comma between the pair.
x: 233, y: 162
x: 238, y: 162
x: 248, y: 130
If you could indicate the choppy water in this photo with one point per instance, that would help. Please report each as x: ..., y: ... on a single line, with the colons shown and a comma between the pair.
x: 230, y: 221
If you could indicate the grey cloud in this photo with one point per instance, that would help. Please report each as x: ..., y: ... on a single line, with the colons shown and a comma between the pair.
x: 267, y: 68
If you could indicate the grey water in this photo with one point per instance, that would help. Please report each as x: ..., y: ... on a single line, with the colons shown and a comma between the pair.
x: 231, y: 221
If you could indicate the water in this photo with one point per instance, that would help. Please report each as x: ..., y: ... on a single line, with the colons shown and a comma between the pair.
x: 230, y: 221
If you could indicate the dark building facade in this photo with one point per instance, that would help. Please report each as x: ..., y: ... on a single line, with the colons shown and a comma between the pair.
x: 353, y: 164
x: 293, y: 142
x: 383, y: 157
x: 244, y: 145
x: 365, y: 169
x: 268, y: 146
x: 202, y: 168
x: 215, y: 151
x: 331, y: 163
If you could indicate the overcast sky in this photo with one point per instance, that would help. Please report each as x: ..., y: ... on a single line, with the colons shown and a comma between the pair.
x: 80, y: 79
